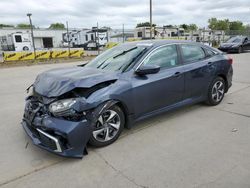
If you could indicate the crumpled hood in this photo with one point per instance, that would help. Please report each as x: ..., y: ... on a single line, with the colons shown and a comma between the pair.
x: 56, y: 82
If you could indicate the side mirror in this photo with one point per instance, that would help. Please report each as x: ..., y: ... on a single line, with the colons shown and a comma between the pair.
x: 147, y: 69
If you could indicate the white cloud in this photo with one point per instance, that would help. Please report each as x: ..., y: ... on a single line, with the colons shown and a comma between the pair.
x: 113, y: 13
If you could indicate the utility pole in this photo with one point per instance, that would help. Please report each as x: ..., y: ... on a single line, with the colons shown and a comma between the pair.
x: 123, y: 36
x: 150, y: 3
x: 67, y: 25
x: 98, y: 38
x: 178, y: 31
x: 203, y: 37
x: 32, y: 34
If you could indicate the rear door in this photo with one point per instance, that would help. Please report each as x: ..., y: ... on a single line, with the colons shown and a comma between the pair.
x: 198, y: 70
x: 156, y: 91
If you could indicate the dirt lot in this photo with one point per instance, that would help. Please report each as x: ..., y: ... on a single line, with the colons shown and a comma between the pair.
x: 196, y: 146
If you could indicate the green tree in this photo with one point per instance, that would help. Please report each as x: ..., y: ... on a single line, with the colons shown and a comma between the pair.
x: 145, y: 24
x: 223, y: 24
x: 5, y: 25
x: 215, y: 24
x: 168, y: 26
x: 24, y: 26
x: 236, y: 25
x: 190, y: 27
x: 184, y: 26
x: 57, y: 26
x: 212, y: 23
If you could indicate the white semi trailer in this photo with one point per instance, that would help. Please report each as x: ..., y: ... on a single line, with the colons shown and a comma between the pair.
x: 16, y: 42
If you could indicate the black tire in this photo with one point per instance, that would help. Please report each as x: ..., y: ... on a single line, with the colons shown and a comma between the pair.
x: 240, y: 50
x: 97, y: 139
x: 216, y: 91
x: 25, y: 48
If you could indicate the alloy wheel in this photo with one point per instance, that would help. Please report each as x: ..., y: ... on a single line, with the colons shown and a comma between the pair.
x: 218, y: 91
x: 107, y: 126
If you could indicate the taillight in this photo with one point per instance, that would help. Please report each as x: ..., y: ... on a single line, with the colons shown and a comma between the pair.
x: 230, y: 60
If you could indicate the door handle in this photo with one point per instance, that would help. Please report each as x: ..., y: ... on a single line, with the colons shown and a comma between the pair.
x: 177, y: 74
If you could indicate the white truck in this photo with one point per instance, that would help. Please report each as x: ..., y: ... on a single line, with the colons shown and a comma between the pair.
x: 16, y: 42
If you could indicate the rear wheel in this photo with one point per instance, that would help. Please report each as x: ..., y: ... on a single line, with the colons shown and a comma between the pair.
x: 108, y: 127
x: 240, y: 50
x: 216, y: 91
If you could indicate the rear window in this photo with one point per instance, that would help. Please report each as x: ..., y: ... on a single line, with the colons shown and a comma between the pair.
x: 192, y: 53
x: 209, y: 52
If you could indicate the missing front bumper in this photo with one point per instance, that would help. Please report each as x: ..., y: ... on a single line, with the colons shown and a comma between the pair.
x: 52, y: 139
x: 59, y: 136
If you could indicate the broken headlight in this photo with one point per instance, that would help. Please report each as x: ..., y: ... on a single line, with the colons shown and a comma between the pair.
x: 62, y: 107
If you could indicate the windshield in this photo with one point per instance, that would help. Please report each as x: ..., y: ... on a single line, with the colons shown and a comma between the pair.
x: 234, y: 40
x: 118, y: 58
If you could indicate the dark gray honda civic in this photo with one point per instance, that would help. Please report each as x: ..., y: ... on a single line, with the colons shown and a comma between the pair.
x: 70, y: 107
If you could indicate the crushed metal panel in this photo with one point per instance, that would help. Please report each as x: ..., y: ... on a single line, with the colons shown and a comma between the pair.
x: 59, y: 81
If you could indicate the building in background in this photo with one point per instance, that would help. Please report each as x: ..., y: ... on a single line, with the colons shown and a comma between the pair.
x: 13, y: 39
x: 143, y: 33
x: 120, y: 35
x: 43, y: 38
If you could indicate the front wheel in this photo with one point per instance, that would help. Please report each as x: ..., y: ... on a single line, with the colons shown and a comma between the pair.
x: 108, y: 127
x: 216, y: 91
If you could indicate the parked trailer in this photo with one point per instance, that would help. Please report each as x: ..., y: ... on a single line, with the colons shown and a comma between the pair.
x: 86, y: 38
x: 16, y: 42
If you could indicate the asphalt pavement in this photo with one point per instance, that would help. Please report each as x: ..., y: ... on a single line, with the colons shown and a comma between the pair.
x: 195, y: 146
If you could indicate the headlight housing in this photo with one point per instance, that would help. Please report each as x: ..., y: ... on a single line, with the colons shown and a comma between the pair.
x: 62, y: 107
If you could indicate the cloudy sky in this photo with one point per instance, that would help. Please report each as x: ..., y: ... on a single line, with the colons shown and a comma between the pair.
x: 86, y: 13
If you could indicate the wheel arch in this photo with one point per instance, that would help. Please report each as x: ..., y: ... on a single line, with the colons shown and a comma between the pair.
x: 225, y: 80
x: 125, y: 110
x: 110, y: 102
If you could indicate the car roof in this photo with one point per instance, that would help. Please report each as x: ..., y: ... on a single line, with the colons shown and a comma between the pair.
x: 156, y: 43
x: 241, y: 37
x: 159, y: 42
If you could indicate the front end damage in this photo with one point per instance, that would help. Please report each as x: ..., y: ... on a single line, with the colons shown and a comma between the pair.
x: 64, y: 132
x: 66, y: 136
x: 61, y: 112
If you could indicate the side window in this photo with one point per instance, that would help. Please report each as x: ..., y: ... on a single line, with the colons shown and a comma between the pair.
x: 165, y: 57
x: 18, y: 38
x: 192, y: 53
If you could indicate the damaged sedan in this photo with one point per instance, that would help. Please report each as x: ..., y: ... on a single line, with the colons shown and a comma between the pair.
x: 68, y: 108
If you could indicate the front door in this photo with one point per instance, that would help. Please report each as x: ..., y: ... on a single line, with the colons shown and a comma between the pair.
x: 156, y: 91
